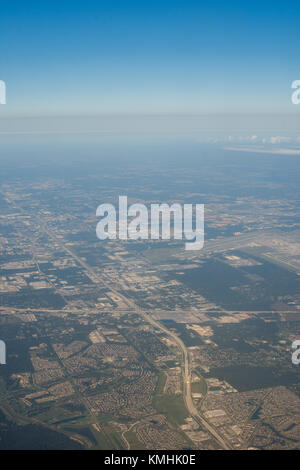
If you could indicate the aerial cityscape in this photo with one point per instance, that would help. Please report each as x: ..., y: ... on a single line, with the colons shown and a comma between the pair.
x: 149, y: 228
x: 140, y: 344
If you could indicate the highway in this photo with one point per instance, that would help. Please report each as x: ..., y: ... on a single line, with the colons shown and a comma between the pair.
x: 186, y: 370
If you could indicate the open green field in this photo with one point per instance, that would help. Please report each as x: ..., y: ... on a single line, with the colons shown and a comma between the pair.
x: 172, y: 406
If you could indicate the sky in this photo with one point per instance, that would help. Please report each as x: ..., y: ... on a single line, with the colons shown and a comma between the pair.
x: 148, y: 57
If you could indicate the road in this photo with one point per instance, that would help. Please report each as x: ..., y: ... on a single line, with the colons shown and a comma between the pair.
x: 186, y: 370
x: 187, y: 393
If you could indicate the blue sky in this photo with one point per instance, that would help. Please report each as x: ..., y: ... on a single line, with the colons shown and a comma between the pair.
x: 93, y: 57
